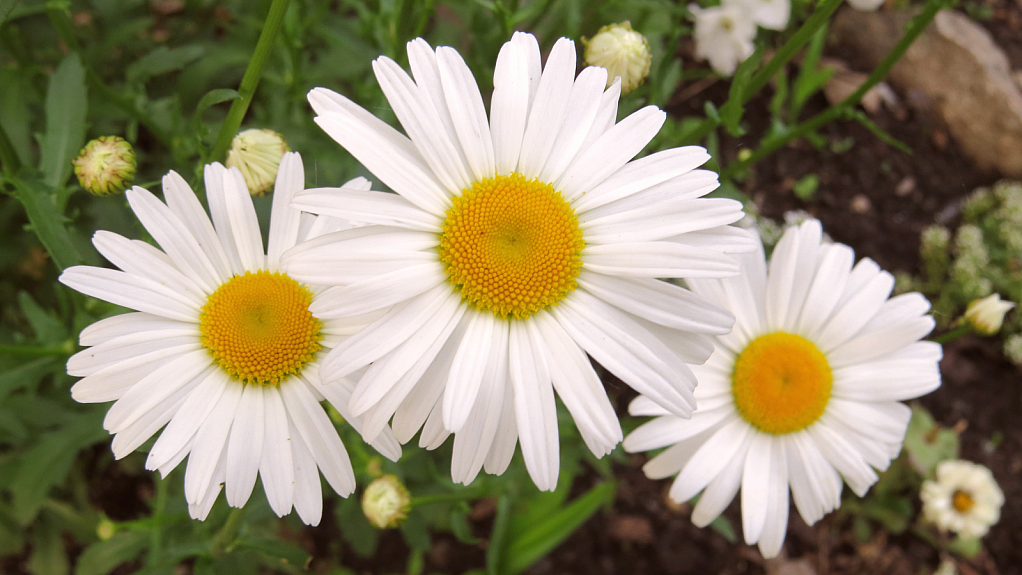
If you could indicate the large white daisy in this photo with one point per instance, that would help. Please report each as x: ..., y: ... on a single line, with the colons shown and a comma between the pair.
x: 804, y: 391
x: 222, y: 349
x: 514, y: 245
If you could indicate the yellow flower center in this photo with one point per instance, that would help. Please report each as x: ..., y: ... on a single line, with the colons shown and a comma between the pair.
x: 511, y: 245
x: 962, y: 501
x: 781, y: 383
x: 259, y: 328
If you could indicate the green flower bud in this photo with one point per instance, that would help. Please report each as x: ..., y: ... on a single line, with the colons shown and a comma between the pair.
x: 105, y: 166
x: 257, y: 154
x: 623, y: 52
x: 386, y: 502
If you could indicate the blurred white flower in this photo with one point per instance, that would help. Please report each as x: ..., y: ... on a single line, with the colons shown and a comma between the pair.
x: 769, y: 14
x: 965, y: 498
x: 866, y: 5
x: 986, y: 315
x: 723, y: 35
x: 386, y: 502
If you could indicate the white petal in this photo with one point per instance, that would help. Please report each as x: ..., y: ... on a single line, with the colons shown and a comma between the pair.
x: 643, y: 405
x: 284, y: 219
x: 583, y: 103
x: 877, y: 344
x: 423, y: 125
x: 245, y: 446
x: 579, y: 388
x: 154, y: 388
x: 611, y: 151
x: 546, y: 115
x: 776, y: 524
x: 134, y: 435
x: 129, y: 348
x: 509, y: 105
x: 711, y: 459
x: 831, y: 276
x: 657, y: 260
x: 844, y: 457
x: 627, y: 350
x: 669, y: 172
x: 130, y: 291
x: 366, y: 207
x: 847, y: 320
x: 468, y: 113
x: 381, y: 149
x: 378, y: 292
x: 189, y: 418
x: 209, y: 444
x: 277, y: 467
x: 138, y: 261
x: 308, y: 491
x: 128, y: 324
x: 320, y: 436
x: 720, y: 492
x: 472, y: 444
x: 112, y: 382
x: 199, y: 507
x: 174, y: 237
x: 663, y: 220
x: 534, y: 406
x: 502, y: 449
x: 670, y: 429
x: 182, y: 202
x: 470, y: 362
x: 792, y: 266
x: 244, y: 225
x: 433, y: 433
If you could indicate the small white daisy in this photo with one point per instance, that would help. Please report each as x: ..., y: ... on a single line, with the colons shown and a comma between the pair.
x: 965, y: 498
x: 769, y: 14
x: 222, y: 349
x: 514, y: 245
x: 804, y: 391
x: 723, y: 35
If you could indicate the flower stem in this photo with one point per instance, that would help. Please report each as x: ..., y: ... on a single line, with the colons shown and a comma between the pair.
x: 250, y: 81
x: 845, y: 107
x: 229, y: 532
x: 9, y: 161
x: 445, y: 498
x: 953, y: 334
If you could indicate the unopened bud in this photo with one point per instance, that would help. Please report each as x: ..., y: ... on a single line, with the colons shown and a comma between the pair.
x: 105, y: 166
x: 986, y: 315
x: 105, y: 529
x: 257, y: 154
x: 386, y: 502
x: 623, y: 52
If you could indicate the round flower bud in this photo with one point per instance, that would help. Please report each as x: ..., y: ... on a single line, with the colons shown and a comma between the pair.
x: 965, y: 498
x: 386, y: 502
x: 623, y: 52
x: 257, y: 154
x: 986, y: 315
x: 105, y: 166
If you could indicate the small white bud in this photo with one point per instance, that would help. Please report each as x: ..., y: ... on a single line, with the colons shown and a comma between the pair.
x: 623, y: 52
x: 386, y: 502
x: 257, y: 154
x: 105, y: 166
x: 986, y: 315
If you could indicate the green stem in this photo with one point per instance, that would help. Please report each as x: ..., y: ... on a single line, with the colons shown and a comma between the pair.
x: 844, y: 108
x: 799, y: 39
x: 62, y: 25
x: 954, y: 334
x: 445, y: 498
x: 8, y: 155
x: 250, y: 81
x: 34, y: 351
x: 229, y: 532
x: 156, y: 536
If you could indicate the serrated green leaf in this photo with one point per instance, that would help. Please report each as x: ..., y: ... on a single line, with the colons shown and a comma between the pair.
x: 25, y: 375
x: 66, y: 104
x: 48, y: 329
x: 47, y: 222
x: 162, y: 60
x: 927, y: 443
x: 103, y: 557
x: 540, y: 538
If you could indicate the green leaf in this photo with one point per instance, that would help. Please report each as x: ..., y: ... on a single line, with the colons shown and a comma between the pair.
x: 6, y: 7
x: 66, y: 104
x: 25, y: 375
x: 103, y: 557
x: 12, y: 536
x: 732, y: 110
x: 214, y: 97
x: 48, y: 461
x: 927, y: 443
x: 48, y: 329
x: 162, y: 60
x: 723, y: 526
x: 965, y: 547
x: 47, y: 222
x: 543, y: 536
x: 498, y: 536
x: 806, y: 187
x: 279, y: 552
x: 48, y: 556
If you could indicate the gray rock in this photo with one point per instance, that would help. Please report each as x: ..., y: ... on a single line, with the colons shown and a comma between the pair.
x: 966, y: 78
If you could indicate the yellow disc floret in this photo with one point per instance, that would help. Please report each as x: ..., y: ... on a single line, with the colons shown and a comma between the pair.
x: 511, y: 245
x: 781, y: 383
x: 258, y: 327
x: 962, y: 501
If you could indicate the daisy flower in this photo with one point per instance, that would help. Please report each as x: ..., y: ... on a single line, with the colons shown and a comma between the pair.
x: 965, y: 498
x: 514, y: 245
x: 222, y: 348
x: 803, y: 392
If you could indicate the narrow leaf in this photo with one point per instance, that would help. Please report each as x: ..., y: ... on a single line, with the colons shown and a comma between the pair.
x: 66, y: 104
x: 103, y: 557
x: 47, y: 222
x: 162, y: 60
